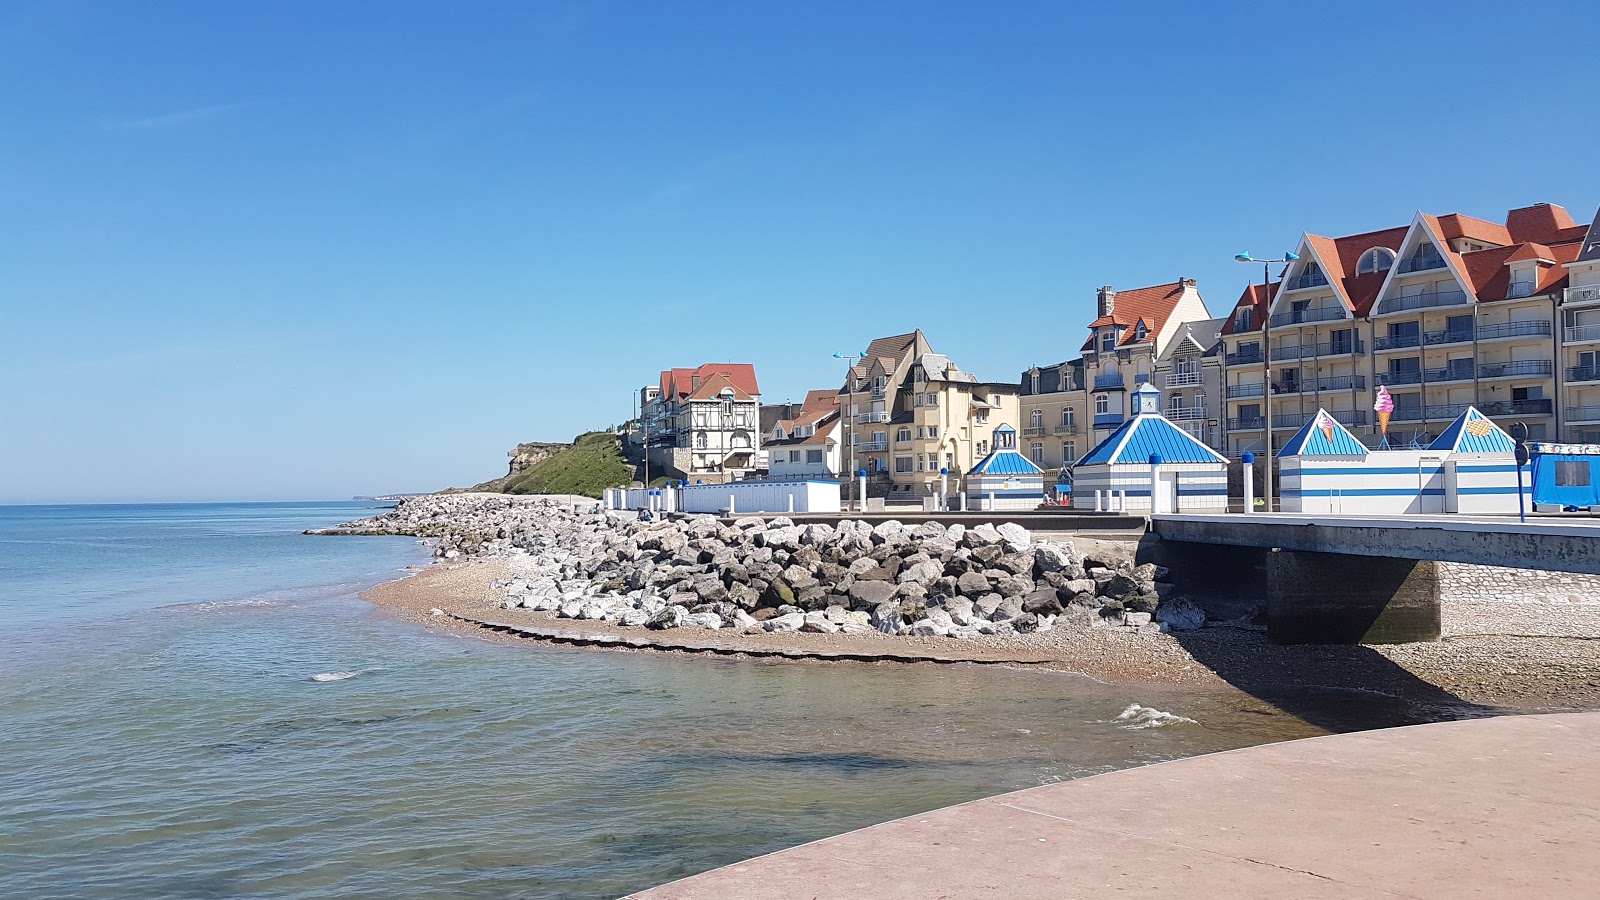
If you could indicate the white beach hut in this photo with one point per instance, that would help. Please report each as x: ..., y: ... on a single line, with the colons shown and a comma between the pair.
x: 1151, y: 465
x: 1005, y: 479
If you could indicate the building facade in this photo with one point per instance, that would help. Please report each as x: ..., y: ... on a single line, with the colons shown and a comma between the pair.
x: 1052, y: 405
x: 704, y: 423
x: 806, y: 445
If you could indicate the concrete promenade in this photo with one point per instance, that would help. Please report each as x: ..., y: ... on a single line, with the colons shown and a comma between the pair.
x: 1503, y: 807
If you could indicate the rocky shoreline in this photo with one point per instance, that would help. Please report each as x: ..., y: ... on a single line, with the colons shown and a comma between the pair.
x: 929, y: 580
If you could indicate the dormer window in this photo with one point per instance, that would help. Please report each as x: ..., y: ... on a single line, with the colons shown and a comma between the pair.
x: 1524, y: 279
x: 1242, y: 320
x: 1378, y: 259
x: 1108, y: 339
x: 1311, y: 276
x: 1139, y: 332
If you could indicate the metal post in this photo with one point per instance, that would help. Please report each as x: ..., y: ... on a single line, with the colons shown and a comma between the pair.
x: 1249, y: 481
x: 863, y: 476
x: 944, y: 488
x: 1266, y: 378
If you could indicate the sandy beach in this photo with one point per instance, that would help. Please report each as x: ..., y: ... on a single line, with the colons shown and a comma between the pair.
x: 1523, y: 657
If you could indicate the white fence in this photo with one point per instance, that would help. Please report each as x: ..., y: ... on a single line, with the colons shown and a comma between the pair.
x: 736, y: 498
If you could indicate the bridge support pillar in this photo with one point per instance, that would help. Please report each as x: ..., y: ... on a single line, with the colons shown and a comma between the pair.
x: 1336, y: 598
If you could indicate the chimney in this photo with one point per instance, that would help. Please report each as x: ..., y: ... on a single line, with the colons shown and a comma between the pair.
x: 1107, y: 300
x: 1188, y: 282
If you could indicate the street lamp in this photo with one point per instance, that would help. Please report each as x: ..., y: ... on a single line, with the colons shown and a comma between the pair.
x: 849, y: 361
x: 1266, y: 365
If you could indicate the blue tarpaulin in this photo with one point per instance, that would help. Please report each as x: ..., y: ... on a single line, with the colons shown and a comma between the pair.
x: 1565, y: 474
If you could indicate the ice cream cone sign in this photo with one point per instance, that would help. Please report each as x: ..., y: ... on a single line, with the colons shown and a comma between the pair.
x: 1384, y: 407
x: 1325, y: 424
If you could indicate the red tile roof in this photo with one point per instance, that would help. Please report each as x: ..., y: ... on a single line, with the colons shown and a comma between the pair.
x: 1151, y: 305
x: 679, y: 383
x: 1255, y: 297
x: 713, y: 385
x: 1541, y: 223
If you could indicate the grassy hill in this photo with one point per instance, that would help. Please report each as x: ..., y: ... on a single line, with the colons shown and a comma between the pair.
x: 593, y: 463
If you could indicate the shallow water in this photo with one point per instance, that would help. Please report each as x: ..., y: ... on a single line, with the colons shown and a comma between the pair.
x: 195, y: 704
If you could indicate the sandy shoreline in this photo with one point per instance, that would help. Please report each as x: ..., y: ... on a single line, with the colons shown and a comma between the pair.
x: 1491, y: 662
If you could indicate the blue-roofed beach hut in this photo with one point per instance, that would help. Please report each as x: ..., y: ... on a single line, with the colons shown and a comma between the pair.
x: 1005, y: 479
x: 1565, y: 474
x: 1480, y: 468
x: 1318, y: 469
x: 1149, y: 451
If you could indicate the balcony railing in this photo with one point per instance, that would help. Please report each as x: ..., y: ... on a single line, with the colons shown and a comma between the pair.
x: 1589, y: 293
x: 1108, y: 380
x: 1328, y: 383
x: 1312, y: 351
x: 1245, y: 358
x: 1067, y: 429
x: 1107, y: 420
x: 1245, y: 390
x: 1309, y: 280
x: 1583, y: 414
x: 1247, y: 423
x: 1305, y: 316
x: 1583, y: 373
x: 1580, y: 333
x: 1542, y: 407
x: 1429, y: 376
x: 1515, y: 369
x: 1514, y: 329
x: 1429, y: 300
x: 1180, y: 413
x: 1034, y: 431
x: 873, y: 417
x: 1179, y: 379
x: 874, y: 446
x: 1437, y: 413
x: 1419, y: 264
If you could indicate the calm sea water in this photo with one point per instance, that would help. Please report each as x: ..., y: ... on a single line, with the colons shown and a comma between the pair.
x: 194, y: 703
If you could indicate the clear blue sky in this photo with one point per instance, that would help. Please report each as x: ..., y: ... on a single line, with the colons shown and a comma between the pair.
x: 304, y: 250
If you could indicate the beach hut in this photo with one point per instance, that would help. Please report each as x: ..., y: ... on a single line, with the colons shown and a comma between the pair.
x: 1321, y: 468
x: 1565, y: 474
x: 1480, y: 466
x: 1005, y: 479
x: 1146, y: 452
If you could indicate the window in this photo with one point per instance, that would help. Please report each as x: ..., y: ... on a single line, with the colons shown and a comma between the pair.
x: 1102, y: 404
x: 982, y: 417
x: 1139, y: 331
x: 1378, y: 259
x: 1339, y: 341
x: 933, y: 462
x: 902, y: 436
x: 1108, y: 339
x: 1572, y: 473
x: 1036, y: 419
x: 983, y: 448
x: 813, y: 456
x: 1034, y: 379
x: 1242, y: 320
x: 1174, y: 402
x: 1036, y: 452
x: 949, y: 460
x: 1069, y: 453
x: 700, y: 440
x: 903, y: 464
x: 1068, y: 417
x: 794, y: 456
x: 933, y: 432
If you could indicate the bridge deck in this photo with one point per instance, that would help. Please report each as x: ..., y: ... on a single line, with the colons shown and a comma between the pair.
x: 1502, y: 807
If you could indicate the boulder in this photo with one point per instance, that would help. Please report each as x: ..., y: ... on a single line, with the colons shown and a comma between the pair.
x: 973, y: 584
x: 838, y: 615
x: 1042, y: 601
x: 987, y: 605
x: 817, y: 623
x: 670, y: 617
x: 1053, y: 556
x: 1025, y: 623
x: 702, y: 620
x: 870, y: 593
x: 886, y: 618
x: 923, y: 573
x: 925, y: 628
x: 785, y: 624
x: 1136, y: 619
x: 984, y: 535
x: 1180, y: 615
x: 633, y: 618
x: 1016, y: 538
x: 962, y: 611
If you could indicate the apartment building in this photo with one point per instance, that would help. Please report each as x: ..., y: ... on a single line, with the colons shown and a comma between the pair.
x: 1053, y: 406
x: 805, y: 444
x: 703, y: 424
x: 1580, y: 342
x: 1446, y: 312
x: 1188, y: 372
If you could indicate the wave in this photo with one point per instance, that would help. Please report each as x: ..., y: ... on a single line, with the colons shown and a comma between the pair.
x: 342, y: 676
x: 1136, y: 717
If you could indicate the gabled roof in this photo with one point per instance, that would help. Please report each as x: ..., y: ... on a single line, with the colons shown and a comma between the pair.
x: 1255, y: 297
x: 1151, y: 305
x: 1490, y: 274
x: 1313, y: 439
x: 1473, y: 432
x: 1143, y: 436
x: 1541, y: 223
x: 676, y: 384
x: 938, y: 367
x: 1589, y: 251
x: 713, y: 387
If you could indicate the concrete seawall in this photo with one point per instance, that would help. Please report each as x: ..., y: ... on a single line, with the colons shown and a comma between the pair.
x: 1502, y: 807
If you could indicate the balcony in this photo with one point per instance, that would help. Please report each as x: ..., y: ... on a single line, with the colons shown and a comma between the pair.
x: 1522, y: 368
x: 877, y: 393
x: 1182, y: 413
x: 1583, y: 373
x: 1307, y: 316
x: 1514, y: 330
x: 1424, y: 376
x: 1578, y: 334
x: 1107, y: 420
x: 873, y: 446
x: 1247, y: 423
x: 1542, y: 407
x: 1309, y: 280
x: 1179, y: 379
x: 1108, y: 381
x: 1034, y: 431
x: 873, y: 418
x: 1583, y: 414
x: 1315, y: 385
x: 1245, y: 390
x: 1430, y: 300
x: 1071, y: 428
x: 1312, y: 351
x: 1589, y: 293
x: 1419, y: 264
x: 1438, y: 413
x: 1245, y: 358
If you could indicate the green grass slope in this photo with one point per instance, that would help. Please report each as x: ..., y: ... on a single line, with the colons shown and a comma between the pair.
x: 593, y: 463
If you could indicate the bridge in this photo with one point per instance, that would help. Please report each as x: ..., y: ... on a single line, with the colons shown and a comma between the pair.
x: 1358, y: 579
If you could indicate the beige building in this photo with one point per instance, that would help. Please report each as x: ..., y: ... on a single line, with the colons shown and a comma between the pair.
x: 1053, y: 407
x: 1132, y: 331
x: 1580, y: 342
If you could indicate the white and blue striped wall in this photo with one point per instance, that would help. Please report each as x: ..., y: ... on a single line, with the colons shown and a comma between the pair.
x: 1399, y: 482
x: 1200, y: 487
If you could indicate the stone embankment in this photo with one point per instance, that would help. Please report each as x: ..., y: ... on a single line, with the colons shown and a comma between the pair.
x: 927, y: 580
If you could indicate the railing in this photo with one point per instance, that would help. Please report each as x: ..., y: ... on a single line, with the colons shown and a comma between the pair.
x: 1420, y: 264
x: 873, y: 446
x: 1179, y: 379
x: 1514, y: 329
x: 1589, y: 293
x: 1312, y: 279
x: 1247, y: 423
x: 1438, y: 413
x: 1583, y: 414
x: 1109, y: 380
x: 1542, y: 407
x: 1428, y: 300
x: 1519, y: 289
x: 1512, y: 369
x: 1034, y: 431
x: 1583, y: 373
x: 1304, y: 316
x: 1067, y: 429
x: 1456, y: 335
x: 1179, y: 413
x: 1327, y: 383
x: 1448, y: 373
x: 873, y: 417
x: 1104, y: 420
x: 877, y: 393
x: 1576, y: 333
x: 1312, y: 351
x: 1245, y: 358
x: 1245, y: 390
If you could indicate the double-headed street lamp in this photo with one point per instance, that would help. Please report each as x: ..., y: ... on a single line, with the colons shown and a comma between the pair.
x: 844, y: 478
x: 1266, y: 364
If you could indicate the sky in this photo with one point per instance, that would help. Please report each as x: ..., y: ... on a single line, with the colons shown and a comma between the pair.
x: 306, y: 250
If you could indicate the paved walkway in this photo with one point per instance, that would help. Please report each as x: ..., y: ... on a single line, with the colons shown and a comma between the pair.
x: 1503, y: 807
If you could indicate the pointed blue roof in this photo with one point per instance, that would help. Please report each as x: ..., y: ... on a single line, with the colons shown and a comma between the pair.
x: 1472, y: 432
x: 1005, y: 429
x: 1311, y: 441
x: 1148, y: 435
x: 1005, y: 462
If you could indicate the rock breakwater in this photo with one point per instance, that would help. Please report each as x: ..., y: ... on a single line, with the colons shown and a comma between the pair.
x: 771, y: 574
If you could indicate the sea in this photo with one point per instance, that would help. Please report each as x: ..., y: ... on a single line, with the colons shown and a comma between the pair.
x: 195, y: 702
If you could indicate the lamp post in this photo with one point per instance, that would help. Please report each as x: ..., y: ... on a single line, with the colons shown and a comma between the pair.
x: 844, y: 416
x: 1266, y: 362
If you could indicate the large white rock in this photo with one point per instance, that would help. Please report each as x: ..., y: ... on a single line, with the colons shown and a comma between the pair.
x: 1180, y: 615
x: 982, y: 536
x: 785, y: 624
x: 1016, y: 537
x: 923, y: 573
x: 702, y: 620
x: 925, y: 628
